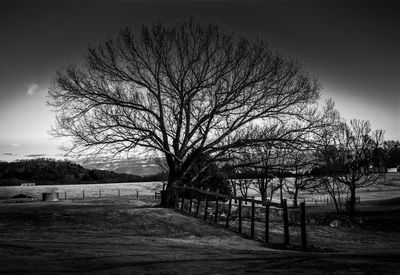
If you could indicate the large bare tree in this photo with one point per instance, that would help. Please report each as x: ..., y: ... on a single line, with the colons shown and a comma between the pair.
x: 180, y: 90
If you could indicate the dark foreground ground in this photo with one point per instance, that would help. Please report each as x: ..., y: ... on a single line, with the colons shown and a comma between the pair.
x: 133, y: 237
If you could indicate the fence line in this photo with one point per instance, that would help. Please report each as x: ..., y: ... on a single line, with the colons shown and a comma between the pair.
x: 85, y: 194
x: 218, y: 206
x: 326, y: 200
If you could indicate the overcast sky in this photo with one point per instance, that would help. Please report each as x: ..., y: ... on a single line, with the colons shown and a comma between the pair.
x: 351, y: 46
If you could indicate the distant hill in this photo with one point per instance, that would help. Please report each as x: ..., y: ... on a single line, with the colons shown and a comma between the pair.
x: 134, y: 166
x: 50, y: 171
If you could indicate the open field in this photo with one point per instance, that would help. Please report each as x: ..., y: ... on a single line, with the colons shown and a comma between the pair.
x: 130, y: 236
x: 91, y: 190
x: 388, y: 188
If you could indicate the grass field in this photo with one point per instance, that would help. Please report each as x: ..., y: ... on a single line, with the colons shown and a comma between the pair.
x: 129, y: 236
x: 90, y: 190
x: 388, y: 188
x: 126, y: 235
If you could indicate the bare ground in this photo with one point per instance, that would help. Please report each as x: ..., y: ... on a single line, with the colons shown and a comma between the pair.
x: 124, y: 236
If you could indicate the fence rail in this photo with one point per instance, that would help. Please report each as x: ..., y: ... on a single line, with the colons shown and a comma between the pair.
x: 222, y: 209
x: 326, y: 200
x: 99, y: 193
x: 223, y: 196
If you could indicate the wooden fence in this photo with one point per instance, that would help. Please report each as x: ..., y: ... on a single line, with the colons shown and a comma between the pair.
x: 109, y: 194
x: 218, y: 208
x: 326, y: 200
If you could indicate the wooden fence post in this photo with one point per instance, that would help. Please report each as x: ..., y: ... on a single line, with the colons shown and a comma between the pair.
x: 137, y: 194
x: 240, y: 216
x: 303, y: 226
x: 182, y: 202
x: 285, y: 222
x: 205, y: 209
x: 229, y: 212
x: 190, y: 204
x: 176, y: 203
x: 216, y: 209
x: 267, y: 222
x: 252, y: 219
x: 197, y: 207
x: 65, y: 195
x: 99, y: 193
x: 118, y: 193
x: 83, y: 194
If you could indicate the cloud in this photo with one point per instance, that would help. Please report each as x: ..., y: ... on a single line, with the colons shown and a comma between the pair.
x: 33, y: 89
x: 35, y: 155
x: 8, y: 154
x: 15, y: 144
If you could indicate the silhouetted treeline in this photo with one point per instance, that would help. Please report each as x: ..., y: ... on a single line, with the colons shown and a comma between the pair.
x: 49, y: 171
x: 162, y: 176
x: 390, y: 154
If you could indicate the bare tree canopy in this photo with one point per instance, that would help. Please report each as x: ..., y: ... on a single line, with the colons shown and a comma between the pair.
x: 180, y: 90
x: 349, y: 156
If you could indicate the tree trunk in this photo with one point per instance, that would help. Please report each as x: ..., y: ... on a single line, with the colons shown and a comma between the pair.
x: 263, y: 189
x: 352, y: 199
x: 336, y: 204
x: 281, y: 188
x: 332, y: 193
x: 295, y: 194
x: 233, y: 185
x: 263, y: 194
x: 169, y: 196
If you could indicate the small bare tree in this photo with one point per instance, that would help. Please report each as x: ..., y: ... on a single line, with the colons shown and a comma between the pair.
x: 265, y: 164
x: 349, y: 156
x: 299, y: 164
x: 336, y: 190
x: 356, y: 157
x: 241, y: 173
